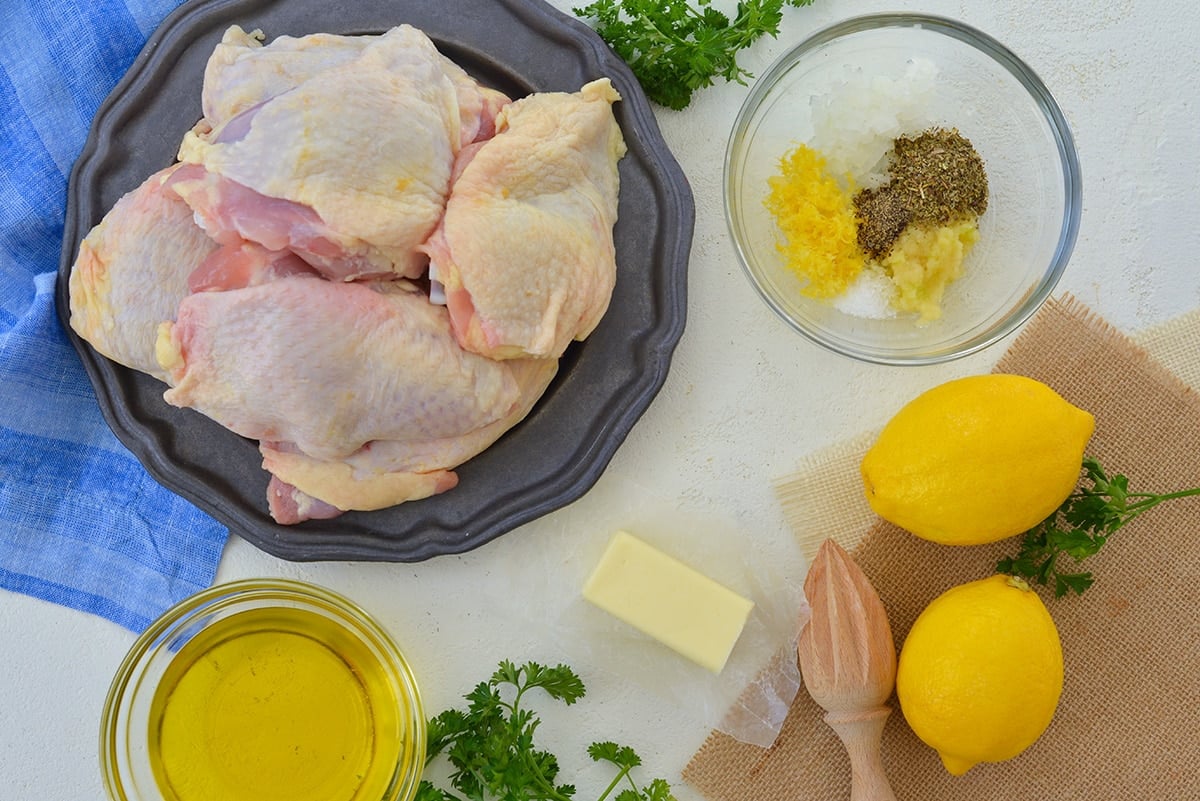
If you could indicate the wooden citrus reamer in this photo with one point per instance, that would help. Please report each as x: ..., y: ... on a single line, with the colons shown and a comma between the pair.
x: 848, y: 661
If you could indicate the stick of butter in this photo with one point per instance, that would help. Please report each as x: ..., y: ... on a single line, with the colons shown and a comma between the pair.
x: 664, y: 598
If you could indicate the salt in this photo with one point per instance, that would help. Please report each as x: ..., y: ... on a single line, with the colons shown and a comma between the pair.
x: 869, y: 297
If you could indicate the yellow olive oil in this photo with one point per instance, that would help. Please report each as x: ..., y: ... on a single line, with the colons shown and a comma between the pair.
x: 277, y: 703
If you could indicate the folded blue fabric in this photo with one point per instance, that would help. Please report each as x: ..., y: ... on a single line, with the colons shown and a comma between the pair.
x: 81, y: 522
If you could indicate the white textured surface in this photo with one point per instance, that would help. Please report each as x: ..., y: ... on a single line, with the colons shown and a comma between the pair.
x: 746, y: 398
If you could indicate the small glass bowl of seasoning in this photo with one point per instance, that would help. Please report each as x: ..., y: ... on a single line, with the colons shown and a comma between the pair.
x: 902, y: 189
x: 258, y: 690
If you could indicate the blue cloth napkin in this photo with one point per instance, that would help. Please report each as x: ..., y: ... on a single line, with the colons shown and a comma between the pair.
x: 81, y: 522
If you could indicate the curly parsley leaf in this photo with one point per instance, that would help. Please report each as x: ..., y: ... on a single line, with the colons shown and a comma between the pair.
x: 623, y: 757
x: 1079, y: 528
x: 559, y: 682
x: 491, y: 747
x: 675, y: 47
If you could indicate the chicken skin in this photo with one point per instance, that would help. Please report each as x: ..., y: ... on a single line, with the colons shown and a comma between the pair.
x: 243, y: 73
x: 329, y: 366
x: 387, y: 472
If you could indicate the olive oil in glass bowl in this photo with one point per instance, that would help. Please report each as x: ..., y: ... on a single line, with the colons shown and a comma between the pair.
x: 263, y: 690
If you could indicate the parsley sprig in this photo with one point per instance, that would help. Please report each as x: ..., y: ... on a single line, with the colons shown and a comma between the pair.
x: 675, y: 48
x: 1079, y: 528
x: 492, y: 750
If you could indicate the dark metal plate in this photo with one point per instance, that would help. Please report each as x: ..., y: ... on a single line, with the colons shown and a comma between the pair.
x: 604, y: 384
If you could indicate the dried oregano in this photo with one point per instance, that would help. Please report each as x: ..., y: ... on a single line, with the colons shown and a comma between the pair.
x: 936, y: 177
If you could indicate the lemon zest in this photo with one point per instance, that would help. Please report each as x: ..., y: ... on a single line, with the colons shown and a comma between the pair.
x: 815, y: 215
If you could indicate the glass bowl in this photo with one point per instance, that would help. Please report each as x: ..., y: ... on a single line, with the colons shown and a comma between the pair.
x: 971, y: 83
x: 263, y: 689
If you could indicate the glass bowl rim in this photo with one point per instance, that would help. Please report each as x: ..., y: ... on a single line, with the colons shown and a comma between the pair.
x: 1038, y: 93
x: 193, y: 608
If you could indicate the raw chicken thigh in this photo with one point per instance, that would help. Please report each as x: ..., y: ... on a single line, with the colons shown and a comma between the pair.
x: 386, y: 472
x: 330, y: 366
x: 366, y: 146
x: 525, y: 250
x: 132, y: 271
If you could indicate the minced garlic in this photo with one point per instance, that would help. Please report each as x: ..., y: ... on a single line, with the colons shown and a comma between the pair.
x: 816, y: 216
x: 923, y: 261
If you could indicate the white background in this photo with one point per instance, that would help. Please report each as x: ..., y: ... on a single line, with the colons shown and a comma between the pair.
x: 745, y: 400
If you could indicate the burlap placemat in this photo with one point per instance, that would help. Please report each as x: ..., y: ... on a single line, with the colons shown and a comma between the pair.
x: 1128, y: 724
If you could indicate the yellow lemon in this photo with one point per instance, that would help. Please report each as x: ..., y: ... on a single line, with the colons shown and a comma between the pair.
x: 980, y: 673
x: 977, y: 459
